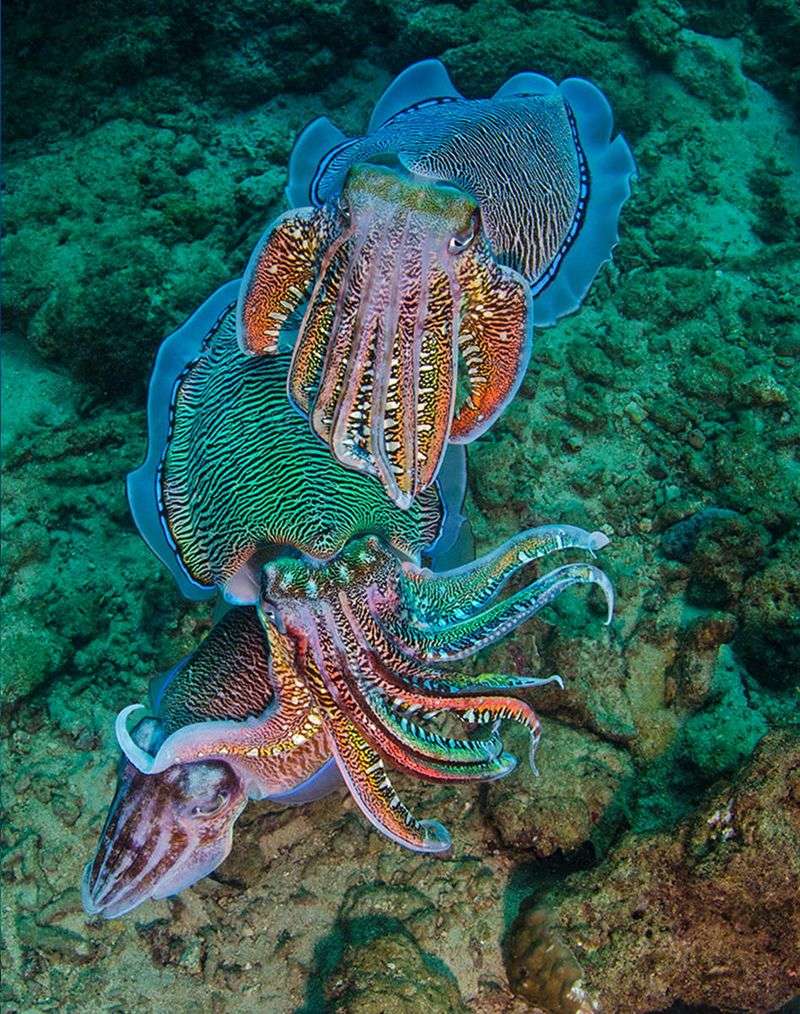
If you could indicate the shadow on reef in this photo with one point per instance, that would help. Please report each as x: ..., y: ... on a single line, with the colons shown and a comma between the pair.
x: 373, y: 963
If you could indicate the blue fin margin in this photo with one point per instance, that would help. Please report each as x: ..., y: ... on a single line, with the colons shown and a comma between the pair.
x: 611, y: 168
x: 175, y: 353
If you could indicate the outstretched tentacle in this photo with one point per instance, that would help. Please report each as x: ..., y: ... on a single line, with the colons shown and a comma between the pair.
x: 363, y: 770
x: 429, y: 598
x: 495, y: 339
x: 465, y: 637
x: 397, y: 673
x: 424, y: 753
x: 279, y: 276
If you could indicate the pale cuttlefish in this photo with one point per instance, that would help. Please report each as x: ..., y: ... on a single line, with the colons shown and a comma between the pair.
x: 166, y: 831
x: 424, y: 252
x: 360, y: 629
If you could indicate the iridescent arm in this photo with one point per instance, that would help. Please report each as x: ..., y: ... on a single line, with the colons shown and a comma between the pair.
x: 495, y: 338
x: 465, y: 637
x: 279, y: 276
x: 430, y: 597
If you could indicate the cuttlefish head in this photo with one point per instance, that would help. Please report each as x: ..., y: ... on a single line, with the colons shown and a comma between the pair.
x: 163, y: 832
x: 400, y: 282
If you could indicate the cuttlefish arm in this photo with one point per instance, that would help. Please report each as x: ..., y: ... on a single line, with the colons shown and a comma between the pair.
x: 363, y: 769
x: 495, y: 339
x: 432, y: 599
x: 374, y: 366
x: 350, y: 678
x: 279, y: 276
x: 467, y: 636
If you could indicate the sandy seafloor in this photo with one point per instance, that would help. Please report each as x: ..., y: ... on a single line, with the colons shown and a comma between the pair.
x: 145, y: 150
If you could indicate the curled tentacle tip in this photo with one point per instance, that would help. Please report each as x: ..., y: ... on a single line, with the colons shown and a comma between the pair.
x: 437, y: 837
x: 603, y: 582
x: 555, y: 678
x: 598, y: 541
x: 532, y: 755
x: 140, y: 758
x: 608, y: 591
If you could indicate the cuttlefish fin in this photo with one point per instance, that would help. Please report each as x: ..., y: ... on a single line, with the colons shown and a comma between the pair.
x: 453, y: 545
x: 426, y: 81
x: 495, y: 340
x: 143, y: 486
x: 312, y: 145
x: 279, y: 276
x: 608, y: 170
x: 526, y: 83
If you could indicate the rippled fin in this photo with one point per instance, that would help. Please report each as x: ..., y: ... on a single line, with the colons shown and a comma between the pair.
x: 526, y: 83
x: 320, y: 784
x: 610, y: 167
x: 426, y: 80
x: 174, y: 357
x: 310, y: 150
x: 451, y: 483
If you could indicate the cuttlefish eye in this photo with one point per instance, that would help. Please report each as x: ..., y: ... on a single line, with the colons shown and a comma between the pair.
x: 464, y: 239
x: 209, y: 807
x: 206, y: 788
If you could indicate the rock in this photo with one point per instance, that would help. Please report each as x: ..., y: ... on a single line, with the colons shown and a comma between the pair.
x: 382, y: 970
x: 542, y: 969
x: 675, y: 917
x: 558, y: 811
x: 768, y: 639
x: 656, y: 25
x: 706, y: 70
x: 31, y: 653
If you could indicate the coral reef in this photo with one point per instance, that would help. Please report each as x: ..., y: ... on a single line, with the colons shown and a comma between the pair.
x: 662, y: 835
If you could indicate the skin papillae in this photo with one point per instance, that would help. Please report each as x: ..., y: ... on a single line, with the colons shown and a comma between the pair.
x: 400, y: 283
x: 424, y: 251
x: 362, y: 641
x: 165, y: 831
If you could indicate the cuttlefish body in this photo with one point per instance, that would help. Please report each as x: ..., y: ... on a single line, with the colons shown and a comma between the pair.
x: 428, y: 249
x: 166, y: 831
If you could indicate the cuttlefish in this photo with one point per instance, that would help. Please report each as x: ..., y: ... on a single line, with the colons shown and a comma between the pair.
x: 166, y: 831
x: 353, y: 656
x: 421, y: 255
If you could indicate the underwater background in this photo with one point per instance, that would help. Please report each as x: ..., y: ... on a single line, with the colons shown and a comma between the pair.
x: 658, y: 855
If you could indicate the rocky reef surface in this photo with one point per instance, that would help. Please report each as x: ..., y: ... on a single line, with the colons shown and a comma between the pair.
x: 654, y: 864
